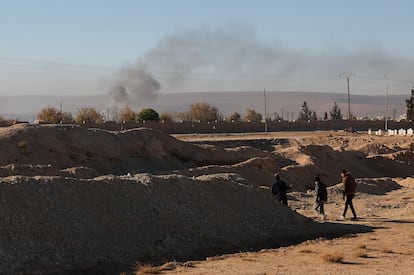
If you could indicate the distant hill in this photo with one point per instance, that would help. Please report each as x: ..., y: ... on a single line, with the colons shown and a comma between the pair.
x: 284, y: 103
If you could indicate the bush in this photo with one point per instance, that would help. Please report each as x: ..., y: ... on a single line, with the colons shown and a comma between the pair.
x: 333, y: 258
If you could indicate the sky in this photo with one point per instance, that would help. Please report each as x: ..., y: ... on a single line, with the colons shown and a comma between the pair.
x: 136, y: 49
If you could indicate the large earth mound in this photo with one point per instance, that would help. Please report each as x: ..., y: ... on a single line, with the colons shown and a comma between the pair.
x: 73, y: 198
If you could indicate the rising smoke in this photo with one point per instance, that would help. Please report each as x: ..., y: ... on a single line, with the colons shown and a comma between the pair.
x: 236, y: 59
x: 133, y: 85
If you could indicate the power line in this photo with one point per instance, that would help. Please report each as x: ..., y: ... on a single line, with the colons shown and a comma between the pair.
x: 130, y: 69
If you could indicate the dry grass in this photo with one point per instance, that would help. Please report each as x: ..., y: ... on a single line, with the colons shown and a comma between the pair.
x: 22, y: 144
x: 332, y: 257
x: 306, y: 251
x: 147, y: 269
x: 361, y: 254
x: 387, y: 250
x: 150, y: 269
x: 216, y: 258
x: 407, y: 198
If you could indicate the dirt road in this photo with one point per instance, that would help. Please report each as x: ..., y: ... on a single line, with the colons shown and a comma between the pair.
x: 389, y: 249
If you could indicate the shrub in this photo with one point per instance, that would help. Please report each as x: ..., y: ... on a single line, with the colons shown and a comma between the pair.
x: 361, y: 254
x: 333, y: 258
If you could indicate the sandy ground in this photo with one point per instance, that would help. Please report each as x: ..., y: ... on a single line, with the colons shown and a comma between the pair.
x: 389, y: 249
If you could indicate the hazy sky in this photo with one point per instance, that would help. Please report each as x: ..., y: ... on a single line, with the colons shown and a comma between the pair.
x: 86, y: 47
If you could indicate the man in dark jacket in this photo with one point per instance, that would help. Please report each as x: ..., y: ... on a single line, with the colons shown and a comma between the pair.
x: 279, y: 188
x: 349, y: 190
x: 321, y: 196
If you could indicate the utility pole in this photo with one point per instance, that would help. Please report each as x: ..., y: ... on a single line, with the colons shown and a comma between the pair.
x: 348, y: 75
x: 265, y: 109
x: 61, y: 112
x: 386, y: 104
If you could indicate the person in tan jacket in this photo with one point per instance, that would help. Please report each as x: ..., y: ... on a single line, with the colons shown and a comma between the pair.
x: 349, y: 190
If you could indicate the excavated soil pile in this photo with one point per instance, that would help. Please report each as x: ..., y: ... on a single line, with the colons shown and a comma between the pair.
x: 73, y: 199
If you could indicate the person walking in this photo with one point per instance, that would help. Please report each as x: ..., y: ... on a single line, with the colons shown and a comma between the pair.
x: 321, y: 196
x: 279, y: 188
x: 349, y: 189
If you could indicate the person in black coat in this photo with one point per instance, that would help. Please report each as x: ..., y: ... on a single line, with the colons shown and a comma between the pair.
x: 279, y: 188
x: 321, y: 196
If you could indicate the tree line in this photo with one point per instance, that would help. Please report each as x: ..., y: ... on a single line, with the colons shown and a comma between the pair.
x: 198, y: 112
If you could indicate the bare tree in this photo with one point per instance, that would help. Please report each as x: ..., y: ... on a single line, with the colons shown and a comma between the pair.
x: 127, y: 114
x: 234, y: 117
x: 166, y: 117
x: 203, y: 112
x: 252, y: 116
x: 88, y: 114
x: 53, y: 115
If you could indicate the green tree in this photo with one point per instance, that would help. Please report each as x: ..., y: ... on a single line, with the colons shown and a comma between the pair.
x: 410, y: 106
x: 127, y: 114
x: 336, y: 113
x: 148, y: 114
x: 234, y: 117
x: 88, y: 114
x: 252, y: 116
x: 203, y: 112
x: 306, y: 113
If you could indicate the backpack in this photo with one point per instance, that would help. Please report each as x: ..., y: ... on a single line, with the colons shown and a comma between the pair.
x: 322, y: 192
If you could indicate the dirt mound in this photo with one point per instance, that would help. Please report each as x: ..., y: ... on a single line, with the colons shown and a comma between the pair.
x: 404, y: 156
x: 374, y: 149
x: 82, y: 197
x: 138, y: 150
x: 379, y: 186
x: 64, y: 221
x: 255, y: 171
x: 327, y: 162
x: 372, y: 186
